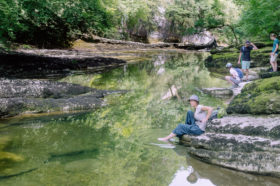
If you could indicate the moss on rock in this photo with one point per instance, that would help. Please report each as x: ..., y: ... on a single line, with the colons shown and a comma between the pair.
x: 265, y: 74
x: 219, y: 59
x: 259, y: 97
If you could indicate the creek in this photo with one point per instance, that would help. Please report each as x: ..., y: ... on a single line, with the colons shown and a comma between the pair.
x: 117, y: 144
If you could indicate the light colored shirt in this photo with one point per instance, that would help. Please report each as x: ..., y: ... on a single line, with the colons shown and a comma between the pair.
x: 199, y: 115
x: 233, y: 72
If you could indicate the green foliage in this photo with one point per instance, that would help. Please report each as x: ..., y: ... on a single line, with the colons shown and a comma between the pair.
x: 51, y: 23
x: 57, y: 23
x: 188, y: 17
x: 260, y: 17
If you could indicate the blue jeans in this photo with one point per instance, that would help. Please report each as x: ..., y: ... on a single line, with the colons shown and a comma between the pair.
x: 189, y: 128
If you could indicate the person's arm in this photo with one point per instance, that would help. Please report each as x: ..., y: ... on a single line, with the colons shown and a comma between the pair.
x: 239, y: 57
x: 209, y: 112
x: 234, y: 73
x: 276, y: 49
x: 254, y: 46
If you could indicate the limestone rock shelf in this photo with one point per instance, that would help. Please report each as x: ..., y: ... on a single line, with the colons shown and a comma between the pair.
x: 244, y: 143
x: 19, y: 96
x: 42, y: 64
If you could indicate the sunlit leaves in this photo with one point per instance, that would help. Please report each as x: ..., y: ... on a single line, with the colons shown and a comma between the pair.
x: 260, y: 17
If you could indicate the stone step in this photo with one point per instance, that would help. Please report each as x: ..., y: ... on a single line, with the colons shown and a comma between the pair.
x: 218, y: 92
x: 263, y: 126
x: 231, y: 143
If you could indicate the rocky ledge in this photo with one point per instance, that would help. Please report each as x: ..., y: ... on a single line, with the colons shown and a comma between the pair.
x: 43, y: 63
x: 195, y: 42
x: 36, y: 96
x: 259, y: 97
x: 218, y: 92
x: 245, y: 143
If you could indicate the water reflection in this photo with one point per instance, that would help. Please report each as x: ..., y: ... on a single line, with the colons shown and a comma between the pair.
x: 200, y: 173
x: 186, y: 177
x: 172, y: 92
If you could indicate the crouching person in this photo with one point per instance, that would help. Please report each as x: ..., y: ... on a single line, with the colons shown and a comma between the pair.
x: 236, y: 75
x: 195, y: 121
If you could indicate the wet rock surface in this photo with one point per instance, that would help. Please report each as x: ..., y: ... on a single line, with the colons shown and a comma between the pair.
x: 39, y: 89
x: 245, y: 143
x: 218, y: 92
x: 36, y: 96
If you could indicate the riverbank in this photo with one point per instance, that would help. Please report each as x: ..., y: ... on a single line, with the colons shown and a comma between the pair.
x: 248, y: 138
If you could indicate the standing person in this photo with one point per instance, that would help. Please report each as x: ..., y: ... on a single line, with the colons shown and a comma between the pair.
x: 195, y: 122
x: 274, y: 53
x: 236, y: 75
x: 245, y: 52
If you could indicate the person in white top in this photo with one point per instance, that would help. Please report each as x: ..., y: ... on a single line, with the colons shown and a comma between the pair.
x: 234, y: 79
x: 195, y: 121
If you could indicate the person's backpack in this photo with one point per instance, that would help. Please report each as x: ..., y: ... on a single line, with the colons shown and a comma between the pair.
x: 239, y: 72
x: 218, y: 113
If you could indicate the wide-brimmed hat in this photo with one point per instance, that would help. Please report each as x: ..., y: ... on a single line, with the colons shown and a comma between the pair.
x: 194, y: 98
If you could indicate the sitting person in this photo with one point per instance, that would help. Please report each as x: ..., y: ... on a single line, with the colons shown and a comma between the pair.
x: 236, y: 75
x: 195, y: 122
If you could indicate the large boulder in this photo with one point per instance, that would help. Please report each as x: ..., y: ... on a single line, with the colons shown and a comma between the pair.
x: 245, y: 143
x: 259, y: 97
x: 197, y: 41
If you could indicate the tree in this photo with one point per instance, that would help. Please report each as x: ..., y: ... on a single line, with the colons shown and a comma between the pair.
x: 55, y: 23
x: 260, y: 17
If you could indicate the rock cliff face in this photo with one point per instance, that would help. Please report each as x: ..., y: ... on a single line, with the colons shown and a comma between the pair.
x: 245, y: 143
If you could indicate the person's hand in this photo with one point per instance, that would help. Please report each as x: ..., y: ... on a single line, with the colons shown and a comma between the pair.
x: 204, y: 121
x: 238, y: 62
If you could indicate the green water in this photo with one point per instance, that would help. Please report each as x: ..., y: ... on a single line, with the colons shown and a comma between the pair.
x: 117, y: 144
